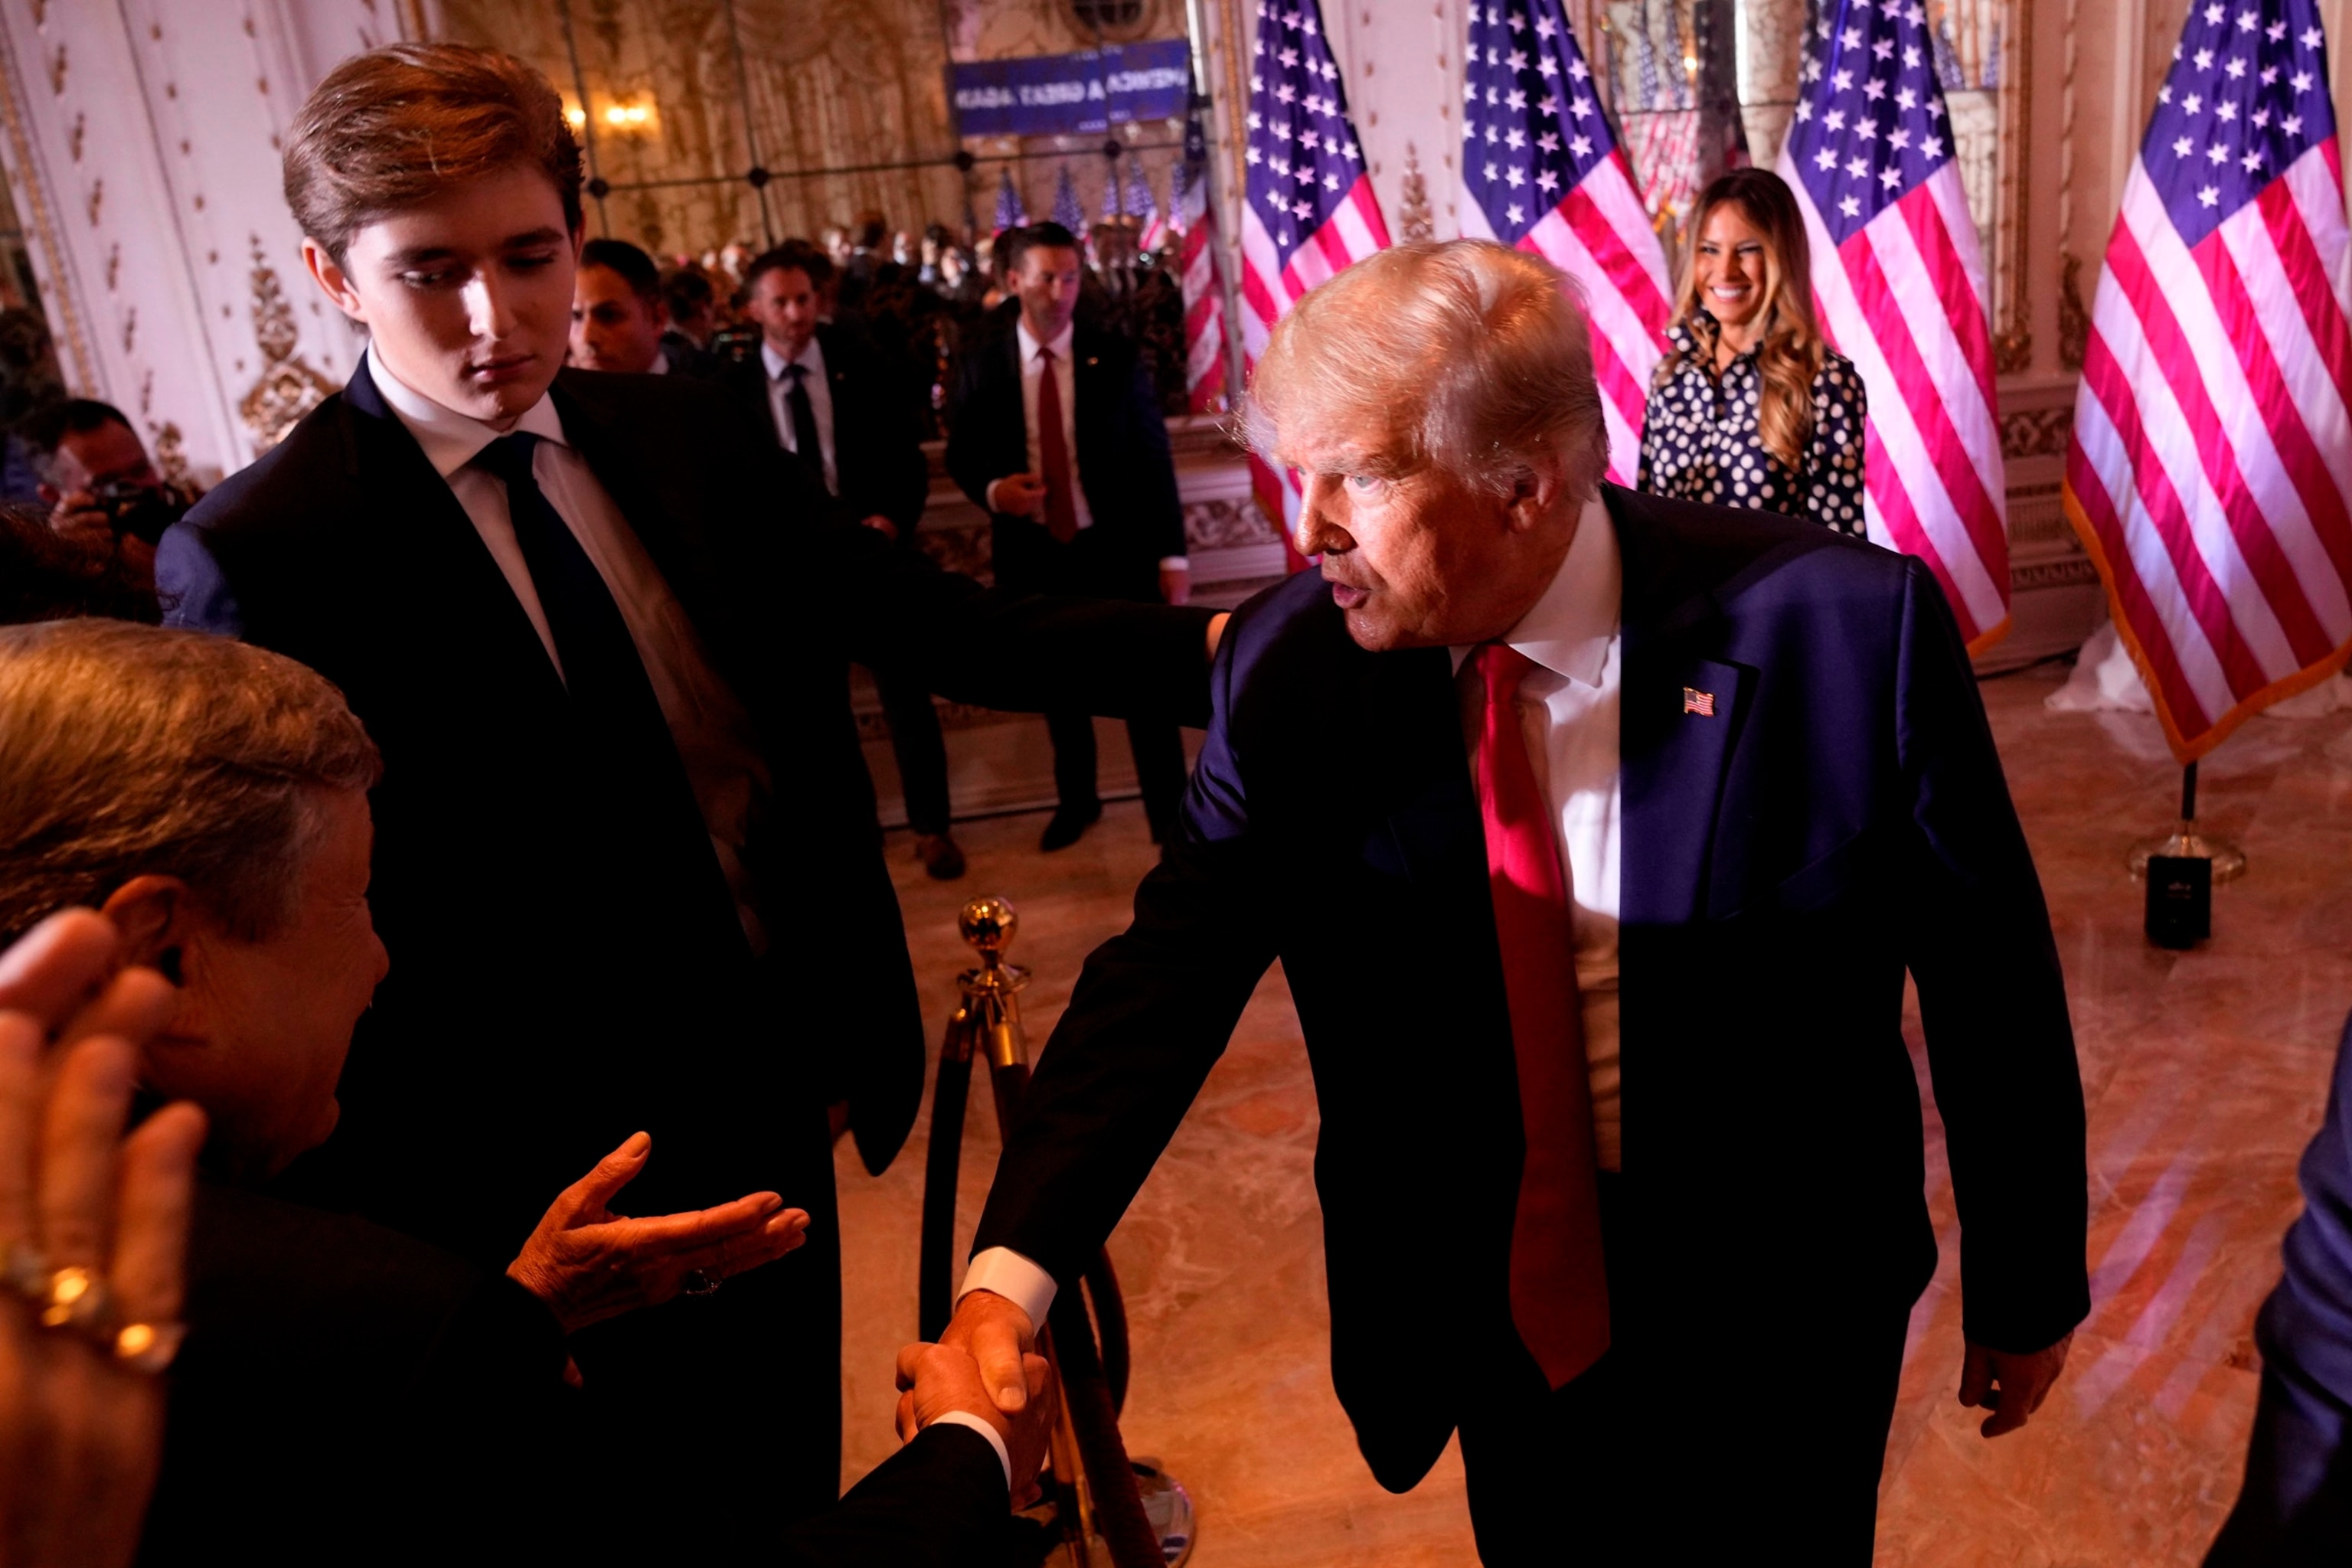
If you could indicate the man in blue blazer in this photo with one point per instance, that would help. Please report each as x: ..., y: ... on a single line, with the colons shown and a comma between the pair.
x: 1595, y: 834
x: 2295, y: 1507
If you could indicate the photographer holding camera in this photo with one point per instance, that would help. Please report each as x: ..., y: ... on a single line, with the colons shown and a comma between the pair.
x: 101, y: 488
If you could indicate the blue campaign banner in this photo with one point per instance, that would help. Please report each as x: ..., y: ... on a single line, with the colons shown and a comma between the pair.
x: 1056, y: 95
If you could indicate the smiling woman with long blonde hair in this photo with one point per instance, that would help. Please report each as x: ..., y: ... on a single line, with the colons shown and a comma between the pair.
x: 1752, y: 407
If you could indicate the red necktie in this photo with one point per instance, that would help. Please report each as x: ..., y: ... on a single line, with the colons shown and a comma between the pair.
x: 1053, y: 452
x: 1560, y: 1289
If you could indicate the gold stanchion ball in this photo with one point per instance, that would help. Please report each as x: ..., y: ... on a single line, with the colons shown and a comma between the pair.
x: 989, y: 924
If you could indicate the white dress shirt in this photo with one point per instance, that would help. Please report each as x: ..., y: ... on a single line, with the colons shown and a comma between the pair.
x: 1569, y: 711
x: 820, y: 396
x: 709, y: 724
x: 1066, y: 378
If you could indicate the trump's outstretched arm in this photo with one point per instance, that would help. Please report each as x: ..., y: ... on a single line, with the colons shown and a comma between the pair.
x: 1149, y: 1017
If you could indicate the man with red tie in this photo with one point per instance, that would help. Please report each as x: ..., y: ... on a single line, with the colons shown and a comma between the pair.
x: 1596, y: 834
x: 1056, y: 429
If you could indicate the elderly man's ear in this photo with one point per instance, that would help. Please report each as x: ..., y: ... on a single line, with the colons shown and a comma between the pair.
x: 157, y: 919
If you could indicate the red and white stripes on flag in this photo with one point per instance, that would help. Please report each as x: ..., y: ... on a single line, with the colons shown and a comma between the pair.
x: 1904, y: 300
x: 2210, y: 470
x: 1601, y: 236
x: 1543, y: 173
x: 1204, y: 291
x: 1900, y: 286
x: 1310, y: 210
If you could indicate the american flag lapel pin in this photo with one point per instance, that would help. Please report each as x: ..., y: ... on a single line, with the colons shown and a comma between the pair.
x: 1699, y: 702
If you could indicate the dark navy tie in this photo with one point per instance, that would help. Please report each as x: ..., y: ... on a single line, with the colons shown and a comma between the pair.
x: 804, y: 417
x: 628, y: 755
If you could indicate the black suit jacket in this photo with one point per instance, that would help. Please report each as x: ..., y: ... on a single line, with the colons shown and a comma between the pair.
x: 1840, y: 819
x: 1124, y: 464
x: 536, y: 1012
x: 352, y: 1395
x: 877, y: 445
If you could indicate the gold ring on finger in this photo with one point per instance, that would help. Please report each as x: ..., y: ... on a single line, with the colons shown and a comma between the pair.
x: 72, y: 1298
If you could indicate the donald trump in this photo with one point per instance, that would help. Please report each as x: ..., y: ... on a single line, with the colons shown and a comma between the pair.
x: 1596, y: 834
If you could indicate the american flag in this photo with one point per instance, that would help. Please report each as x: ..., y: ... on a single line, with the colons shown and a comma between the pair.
x: 1205, y: 287
x: 1144, y: 207
x: 2211, y: 472
x: 1010, y: 212
x: 1900, y: 282
x: 1543, y: 173
x: 1066, y: 210
x: 1310, y: 210
x: 1112, y: 204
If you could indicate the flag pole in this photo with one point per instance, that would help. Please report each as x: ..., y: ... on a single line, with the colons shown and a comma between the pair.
x: 2185, y: 842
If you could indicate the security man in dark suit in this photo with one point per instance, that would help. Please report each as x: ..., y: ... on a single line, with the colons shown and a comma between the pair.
x: 626, y: 862
x: 842, y: 406
x: 1054, y: 430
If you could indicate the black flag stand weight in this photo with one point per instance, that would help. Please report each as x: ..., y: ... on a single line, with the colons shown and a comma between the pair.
x: 1107, y: 1507
x: 2185, y: 842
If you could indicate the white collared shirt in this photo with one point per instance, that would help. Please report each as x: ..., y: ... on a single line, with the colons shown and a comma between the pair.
x: 820, y: 396
x: 1066, y: 383
x: 709, y: 724
x: 1569, y: 711
x: 1569, y: 714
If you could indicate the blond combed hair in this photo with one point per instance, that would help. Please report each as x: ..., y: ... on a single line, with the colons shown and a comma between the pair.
x: 1789, y: 352
x: 1461, y: 353
x: 128, y: 750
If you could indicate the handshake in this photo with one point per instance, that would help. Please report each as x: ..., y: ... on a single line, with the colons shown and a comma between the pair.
x: 943, y: 1382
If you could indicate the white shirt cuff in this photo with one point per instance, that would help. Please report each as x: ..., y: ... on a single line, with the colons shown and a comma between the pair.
x: 966, y: 1419
x: 1175, y: 563
x: 1008, y: 1274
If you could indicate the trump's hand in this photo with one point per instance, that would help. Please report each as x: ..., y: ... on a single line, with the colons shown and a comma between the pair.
x: 935, y: 1379
x: 589, y: 1264
x: 998, y: 1335
x: 1018, y: 495
x: 2011, y: 1386
x: 80, y: 1432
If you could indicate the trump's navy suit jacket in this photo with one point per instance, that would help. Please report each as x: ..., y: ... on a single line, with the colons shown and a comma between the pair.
x: 1839, y: 818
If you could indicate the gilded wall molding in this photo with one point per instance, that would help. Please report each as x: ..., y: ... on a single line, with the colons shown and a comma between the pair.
x: 288, y: 387
x: 2012, y: 340
x: 68, y: 326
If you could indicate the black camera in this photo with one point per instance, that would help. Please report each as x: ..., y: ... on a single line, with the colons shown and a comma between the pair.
x: 140, y: 510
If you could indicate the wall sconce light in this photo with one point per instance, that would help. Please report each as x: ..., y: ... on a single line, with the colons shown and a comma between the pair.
x: 1690, y: 65
x: 631, y: 119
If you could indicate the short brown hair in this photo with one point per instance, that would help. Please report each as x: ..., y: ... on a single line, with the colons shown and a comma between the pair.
x: 394, y: 126
x: 130, y: 750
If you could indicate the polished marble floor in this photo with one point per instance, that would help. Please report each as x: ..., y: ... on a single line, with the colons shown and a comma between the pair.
x: 2205, y: 1073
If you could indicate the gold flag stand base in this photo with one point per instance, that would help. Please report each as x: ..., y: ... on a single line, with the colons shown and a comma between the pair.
x: 2188, y: 841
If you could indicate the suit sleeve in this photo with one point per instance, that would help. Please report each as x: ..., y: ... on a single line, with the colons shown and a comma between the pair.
x: 1152, y: 1012
x: 1163, y: 507
x: 194, y: 590
x: 939, y: 1502
x: 968, y: 458
x: 1992, y: 999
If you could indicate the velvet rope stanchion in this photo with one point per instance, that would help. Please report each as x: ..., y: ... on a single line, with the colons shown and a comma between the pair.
x: 1098, y: 1502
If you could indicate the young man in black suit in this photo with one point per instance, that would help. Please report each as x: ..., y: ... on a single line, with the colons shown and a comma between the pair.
x: 842, y: 407
x: 625, y: 863
x: 1595, y: 834
x: 1055, y: 431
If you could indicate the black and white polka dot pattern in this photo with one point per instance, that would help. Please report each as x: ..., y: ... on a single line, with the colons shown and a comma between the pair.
x: 1700, y: 441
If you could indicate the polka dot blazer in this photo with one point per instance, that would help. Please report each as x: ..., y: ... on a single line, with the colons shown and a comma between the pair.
x: 1699, y: 439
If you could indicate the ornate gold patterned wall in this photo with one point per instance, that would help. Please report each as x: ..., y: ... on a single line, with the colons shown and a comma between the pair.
x: 843, y: 101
